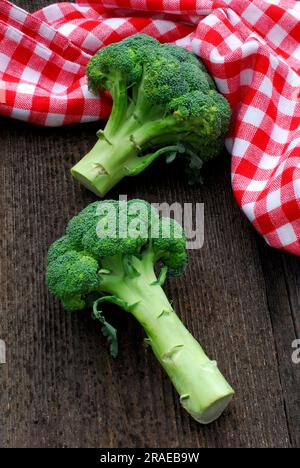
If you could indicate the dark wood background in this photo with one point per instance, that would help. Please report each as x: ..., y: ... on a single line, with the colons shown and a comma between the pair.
x: 240, y: 298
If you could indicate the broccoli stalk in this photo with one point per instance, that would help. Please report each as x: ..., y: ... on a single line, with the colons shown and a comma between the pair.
x: 164, y: 103
x: 116, y: 156
x: 203, y: 390
x: 90, y: 266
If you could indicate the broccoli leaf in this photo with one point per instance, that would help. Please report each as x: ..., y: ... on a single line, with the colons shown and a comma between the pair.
x: 108, y: 330
x: 194, y: 168
x: 162, y: 277
x: 179, y: 149
x: 171, y: 157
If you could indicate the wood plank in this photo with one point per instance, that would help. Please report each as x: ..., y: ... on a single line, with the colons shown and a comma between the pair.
x: 282, y: 274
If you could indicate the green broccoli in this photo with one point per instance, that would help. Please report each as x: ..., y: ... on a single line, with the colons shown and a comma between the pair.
x: 164, y: 103
x: 122, y: 252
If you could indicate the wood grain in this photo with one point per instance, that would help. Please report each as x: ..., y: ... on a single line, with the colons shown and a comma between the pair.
x: 60, y: 388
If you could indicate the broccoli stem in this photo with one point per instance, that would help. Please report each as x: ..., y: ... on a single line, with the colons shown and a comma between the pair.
x: 203, y: 390
x: 118, y: 90
x: 104, y: 166
x: 116, y: 154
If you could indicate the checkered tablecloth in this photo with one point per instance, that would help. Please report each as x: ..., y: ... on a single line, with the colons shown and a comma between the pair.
x: 252, y: 49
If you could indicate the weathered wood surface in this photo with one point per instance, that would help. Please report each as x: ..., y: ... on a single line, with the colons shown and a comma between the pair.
x: 60, y: 388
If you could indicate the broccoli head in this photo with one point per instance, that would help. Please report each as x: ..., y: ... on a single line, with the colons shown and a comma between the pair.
x: 122, y: 252
x: 164, y: 103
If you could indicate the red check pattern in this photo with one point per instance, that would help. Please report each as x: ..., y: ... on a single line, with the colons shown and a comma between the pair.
x: 252, y: 48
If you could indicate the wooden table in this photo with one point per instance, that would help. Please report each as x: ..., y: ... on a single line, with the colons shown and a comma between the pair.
x: 60, y: 388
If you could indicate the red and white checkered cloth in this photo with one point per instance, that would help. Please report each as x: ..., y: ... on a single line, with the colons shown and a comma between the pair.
x: 252, y: 48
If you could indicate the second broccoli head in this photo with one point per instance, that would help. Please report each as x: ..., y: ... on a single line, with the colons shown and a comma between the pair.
x: 108, y: 241
x: 164, y: 103
x: 122, y: 252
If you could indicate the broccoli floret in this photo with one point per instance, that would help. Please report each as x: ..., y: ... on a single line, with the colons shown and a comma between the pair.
x: 60, y: 247
x: 164, y: 103
x: 122, y: 252
x: 71, y: 276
